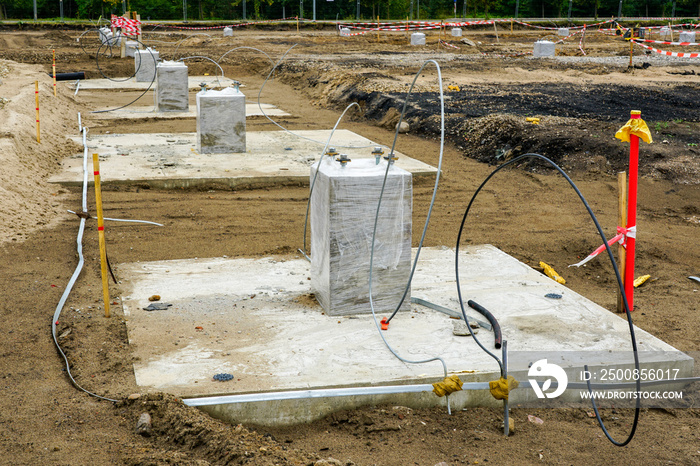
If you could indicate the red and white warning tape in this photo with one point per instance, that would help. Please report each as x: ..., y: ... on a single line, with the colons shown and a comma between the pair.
x: 669, y: 54
x: 447, y: 44
x: 621, y: 237
x: 226, y: 26
x: 130, y: 27
x: 666, y: 43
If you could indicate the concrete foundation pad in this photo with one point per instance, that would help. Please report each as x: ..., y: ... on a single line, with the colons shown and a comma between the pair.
x: 254, y: 319
x: 171, y: 161
x: 193, y: 83
x: 252, y: 110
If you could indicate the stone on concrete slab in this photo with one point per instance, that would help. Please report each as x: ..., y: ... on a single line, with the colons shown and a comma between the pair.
x: 228, y: 32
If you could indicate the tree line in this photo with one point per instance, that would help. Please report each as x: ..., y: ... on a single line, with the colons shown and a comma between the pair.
x: 194, y: 10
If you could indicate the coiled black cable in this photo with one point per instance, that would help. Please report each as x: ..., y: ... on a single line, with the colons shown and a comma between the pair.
x: 633, y: 339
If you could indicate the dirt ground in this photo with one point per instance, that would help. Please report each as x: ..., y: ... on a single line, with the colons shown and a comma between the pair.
x: 528, y: 211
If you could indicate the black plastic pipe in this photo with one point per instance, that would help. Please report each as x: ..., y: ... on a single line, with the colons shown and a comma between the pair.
x: 492, y: 320
x: 69, y: 76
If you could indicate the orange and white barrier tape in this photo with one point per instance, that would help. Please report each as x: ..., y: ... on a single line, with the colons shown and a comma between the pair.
x: 669, y: 54
x: 622, y: 235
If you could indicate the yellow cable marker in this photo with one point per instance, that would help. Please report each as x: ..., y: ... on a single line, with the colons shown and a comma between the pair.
x: 551, y: 273
x: 639, y: 281
x: 447, y: 386
x: 501, y: 388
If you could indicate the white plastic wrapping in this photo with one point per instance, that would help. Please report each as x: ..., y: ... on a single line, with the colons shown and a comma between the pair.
x: 544, y: 48
x: 221, y: 121
x: 342, y: 213
x: 145, y: 62
x: 172, y: 87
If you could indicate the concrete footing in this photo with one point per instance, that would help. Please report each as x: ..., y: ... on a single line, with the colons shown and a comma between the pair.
x: 253, y: 318
x: 170, y: 161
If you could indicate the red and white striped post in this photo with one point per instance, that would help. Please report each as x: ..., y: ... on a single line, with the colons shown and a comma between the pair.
x: 632, y: 212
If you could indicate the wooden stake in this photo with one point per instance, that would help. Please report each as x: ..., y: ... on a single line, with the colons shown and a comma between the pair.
x: 494, y: 28
x: 54, y: 72
x: 377, y: 28
x: 297, y: 25
x: 122, y: 48
x: 631, y: 54
x: 622, y: 221
x: 101, y: 232
x: 36, y: 98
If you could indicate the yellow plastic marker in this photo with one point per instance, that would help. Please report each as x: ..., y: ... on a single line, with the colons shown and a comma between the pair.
x: 551, y: 273
x: 533, y: 120
x: 639, y: 281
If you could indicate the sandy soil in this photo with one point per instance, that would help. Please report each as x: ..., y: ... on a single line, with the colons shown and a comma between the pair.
x: 528, y: 212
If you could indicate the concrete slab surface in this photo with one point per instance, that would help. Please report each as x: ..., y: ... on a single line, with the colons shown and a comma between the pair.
x: 254, y: 318
x: 251, y: 110
x: 120, y: 84
x: 171, y: 161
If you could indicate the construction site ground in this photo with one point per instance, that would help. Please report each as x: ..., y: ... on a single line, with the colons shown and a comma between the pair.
x: 528, y: 211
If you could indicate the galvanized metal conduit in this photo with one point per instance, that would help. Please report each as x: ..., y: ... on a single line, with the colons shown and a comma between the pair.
x: 323, y: 393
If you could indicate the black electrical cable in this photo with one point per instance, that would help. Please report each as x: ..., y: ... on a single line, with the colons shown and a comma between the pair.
x: 97, y: 62
x: 633, y: 338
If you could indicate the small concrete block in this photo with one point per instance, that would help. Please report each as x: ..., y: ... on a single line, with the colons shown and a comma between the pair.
x: 456, y: 32
x: 228, y: 32
x: 343, y: 209
x: 687, y: 36
x: 145, y: 62
x: 417, y: 38
x: 221, y: 121
x: 665, y: 32
x: 543, y: 49
x: 563, y: 32
x: 131, y: 47
x: 171, y: 87
x: 345, y: 31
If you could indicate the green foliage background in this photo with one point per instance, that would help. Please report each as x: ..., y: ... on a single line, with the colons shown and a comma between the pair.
x: 344, y: 9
